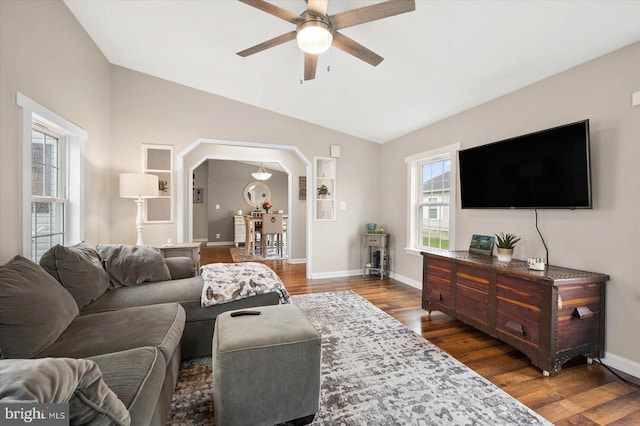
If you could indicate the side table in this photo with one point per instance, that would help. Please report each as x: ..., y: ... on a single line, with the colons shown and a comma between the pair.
x: 372, y: 244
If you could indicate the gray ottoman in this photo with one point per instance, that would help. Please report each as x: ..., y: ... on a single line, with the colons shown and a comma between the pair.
x: 266, y: 368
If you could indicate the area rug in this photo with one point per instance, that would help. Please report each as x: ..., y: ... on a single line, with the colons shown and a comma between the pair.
x: 238, y: 255
x: 375, y: 371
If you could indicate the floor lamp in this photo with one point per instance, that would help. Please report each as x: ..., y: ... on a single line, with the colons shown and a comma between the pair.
x: 138, y: 186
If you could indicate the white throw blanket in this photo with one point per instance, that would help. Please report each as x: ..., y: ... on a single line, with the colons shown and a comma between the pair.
x: 226, y: 282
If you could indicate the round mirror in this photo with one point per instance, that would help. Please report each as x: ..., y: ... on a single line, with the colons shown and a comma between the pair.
x: 255, y: 193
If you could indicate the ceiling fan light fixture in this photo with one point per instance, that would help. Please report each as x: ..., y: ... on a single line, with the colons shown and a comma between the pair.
x: 314, y: 36
x: 261, y: 174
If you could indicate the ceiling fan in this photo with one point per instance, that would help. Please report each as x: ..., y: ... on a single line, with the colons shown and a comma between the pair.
x: 316, y: 31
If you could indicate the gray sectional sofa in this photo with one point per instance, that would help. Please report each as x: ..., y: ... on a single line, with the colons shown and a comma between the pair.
x: 103, y: 329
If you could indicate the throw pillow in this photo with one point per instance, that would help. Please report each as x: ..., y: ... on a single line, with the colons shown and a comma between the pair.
x: 131, y: 265
x: 77, y: 382
x: 79, y: 269
x: 34, y: 309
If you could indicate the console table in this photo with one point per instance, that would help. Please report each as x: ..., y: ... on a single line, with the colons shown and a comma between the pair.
x: 551, y: 316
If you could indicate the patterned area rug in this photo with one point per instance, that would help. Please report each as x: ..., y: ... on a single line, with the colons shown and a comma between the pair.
x: 237, y: 254
x: 375, y: 371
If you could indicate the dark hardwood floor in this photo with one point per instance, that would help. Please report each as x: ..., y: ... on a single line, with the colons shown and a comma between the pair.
x: 579, y: 394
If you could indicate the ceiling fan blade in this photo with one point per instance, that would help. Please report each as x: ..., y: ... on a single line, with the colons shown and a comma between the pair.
x: 310, y: 65
x: 354, y: 48
x: 273, y: 10
x: 268, y: 44
x: 370, y: 13
x: 318, y: 6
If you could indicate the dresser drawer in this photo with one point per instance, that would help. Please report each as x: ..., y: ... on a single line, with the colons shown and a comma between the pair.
x: 373, y: 240
x: 518, y: 309
x: 438, y: 285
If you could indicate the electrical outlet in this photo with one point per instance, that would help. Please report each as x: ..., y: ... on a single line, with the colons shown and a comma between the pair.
x: 217, y: 206
x: 218, y: 236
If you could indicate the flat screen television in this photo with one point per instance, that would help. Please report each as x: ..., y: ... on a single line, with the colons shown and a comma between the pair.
x: 549, y: 169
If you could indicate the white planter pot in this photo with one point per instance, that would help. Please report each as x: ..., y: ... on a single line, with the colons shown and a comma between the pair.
x: 504, y: 255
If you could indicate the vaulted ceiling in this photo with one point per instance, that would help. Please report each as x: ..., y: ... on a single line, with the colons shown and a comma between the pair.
x: 441, y: 59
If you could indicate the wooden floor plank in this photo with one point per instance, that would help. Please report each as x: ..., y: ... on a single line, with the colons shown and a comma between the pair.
x: 580, y: 394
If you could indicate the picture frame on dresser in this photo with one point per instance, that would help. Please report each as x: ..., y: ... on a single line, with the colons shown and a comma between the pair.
x: 482, y: 244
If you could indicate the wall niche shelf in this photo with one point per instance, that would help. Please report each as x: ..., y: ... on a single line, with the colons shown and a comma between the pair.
x: 325, y: 188
x: 158, y: 160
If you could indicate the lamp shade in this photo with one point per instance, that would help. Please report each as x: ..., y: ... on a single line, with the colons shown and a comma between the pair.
x: 138, y: 185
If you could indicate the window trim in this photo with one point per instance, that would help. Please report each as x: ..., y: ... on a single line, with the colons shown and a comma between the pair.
x: 74, y: 140
x: 414, y: 189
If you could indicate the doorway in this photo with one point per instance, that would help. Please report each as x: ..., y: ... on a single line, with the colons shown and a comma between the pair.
x: 289, y: 158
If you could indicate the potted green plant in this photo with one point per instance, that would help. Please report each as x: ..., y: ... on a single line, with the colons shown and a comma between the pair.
x: 505, y: 244
x: 323, y: 191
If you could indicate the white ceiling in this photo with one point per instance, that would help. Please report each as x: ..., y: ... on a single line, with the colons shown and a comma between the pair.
x: 443, y: 58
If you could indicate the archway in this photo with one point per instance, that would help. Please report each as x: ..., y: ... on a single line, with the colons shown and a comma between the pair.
x: 290, y: 158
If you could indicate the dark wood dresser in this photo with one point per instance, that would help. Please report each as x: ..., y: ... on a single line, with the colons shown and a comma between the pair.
x: 551, y: 316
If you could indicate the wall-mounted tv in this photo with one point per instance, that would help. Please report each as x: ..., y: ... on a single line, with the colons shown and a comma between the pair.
x: 549, y: 169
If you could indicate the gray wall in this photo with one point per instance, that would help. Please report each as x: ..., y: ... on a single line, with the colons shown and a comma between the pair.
x: 146, y: 109
x: 603, y: 239
x: 46, y: 55
x: 226, y: 182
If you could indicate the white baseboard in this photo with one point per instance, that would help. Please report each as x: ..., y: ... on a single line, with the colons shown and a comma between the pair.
x: 622, y: 364
x: 406, y: 280
x: 336, y: 274
x: 220, y: 243
x: 356, y: 272
x: 199, y: 240
x: 297, y: 261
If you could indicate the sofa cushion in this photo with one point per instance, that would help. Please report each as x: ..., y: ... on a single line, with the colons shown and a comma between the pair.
x: 185, y: 291
x: 79, y: 269
x: 34, y: 309
x: 136, y: 376
x: 180, y: 267
x: 159, y: 326
x: 77, y: 382
x: 131, y: 265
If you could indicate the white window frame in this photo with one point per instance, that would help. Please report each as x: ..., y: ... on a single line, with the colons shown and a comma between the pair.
x: 59, y: 199
x: 74, y: 139
x: 414, y: 195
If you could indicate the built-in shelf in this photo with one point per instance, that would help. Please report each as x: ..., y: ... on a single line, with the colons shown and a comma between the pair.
x: 158, y: 160
x: 325, y: 188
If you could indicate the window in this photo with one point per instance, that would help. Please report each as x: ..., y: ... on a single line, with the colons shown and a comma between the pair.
x: 431, y: 206
x: 434, y: 211
x: 47, y: 191
x: 52, y: 181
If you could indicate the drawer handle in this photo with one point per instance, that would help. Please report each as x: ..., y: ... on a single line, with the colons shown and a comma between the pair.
x: 582, y: 312
x: 514, y: 326
x: 441, y: 298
